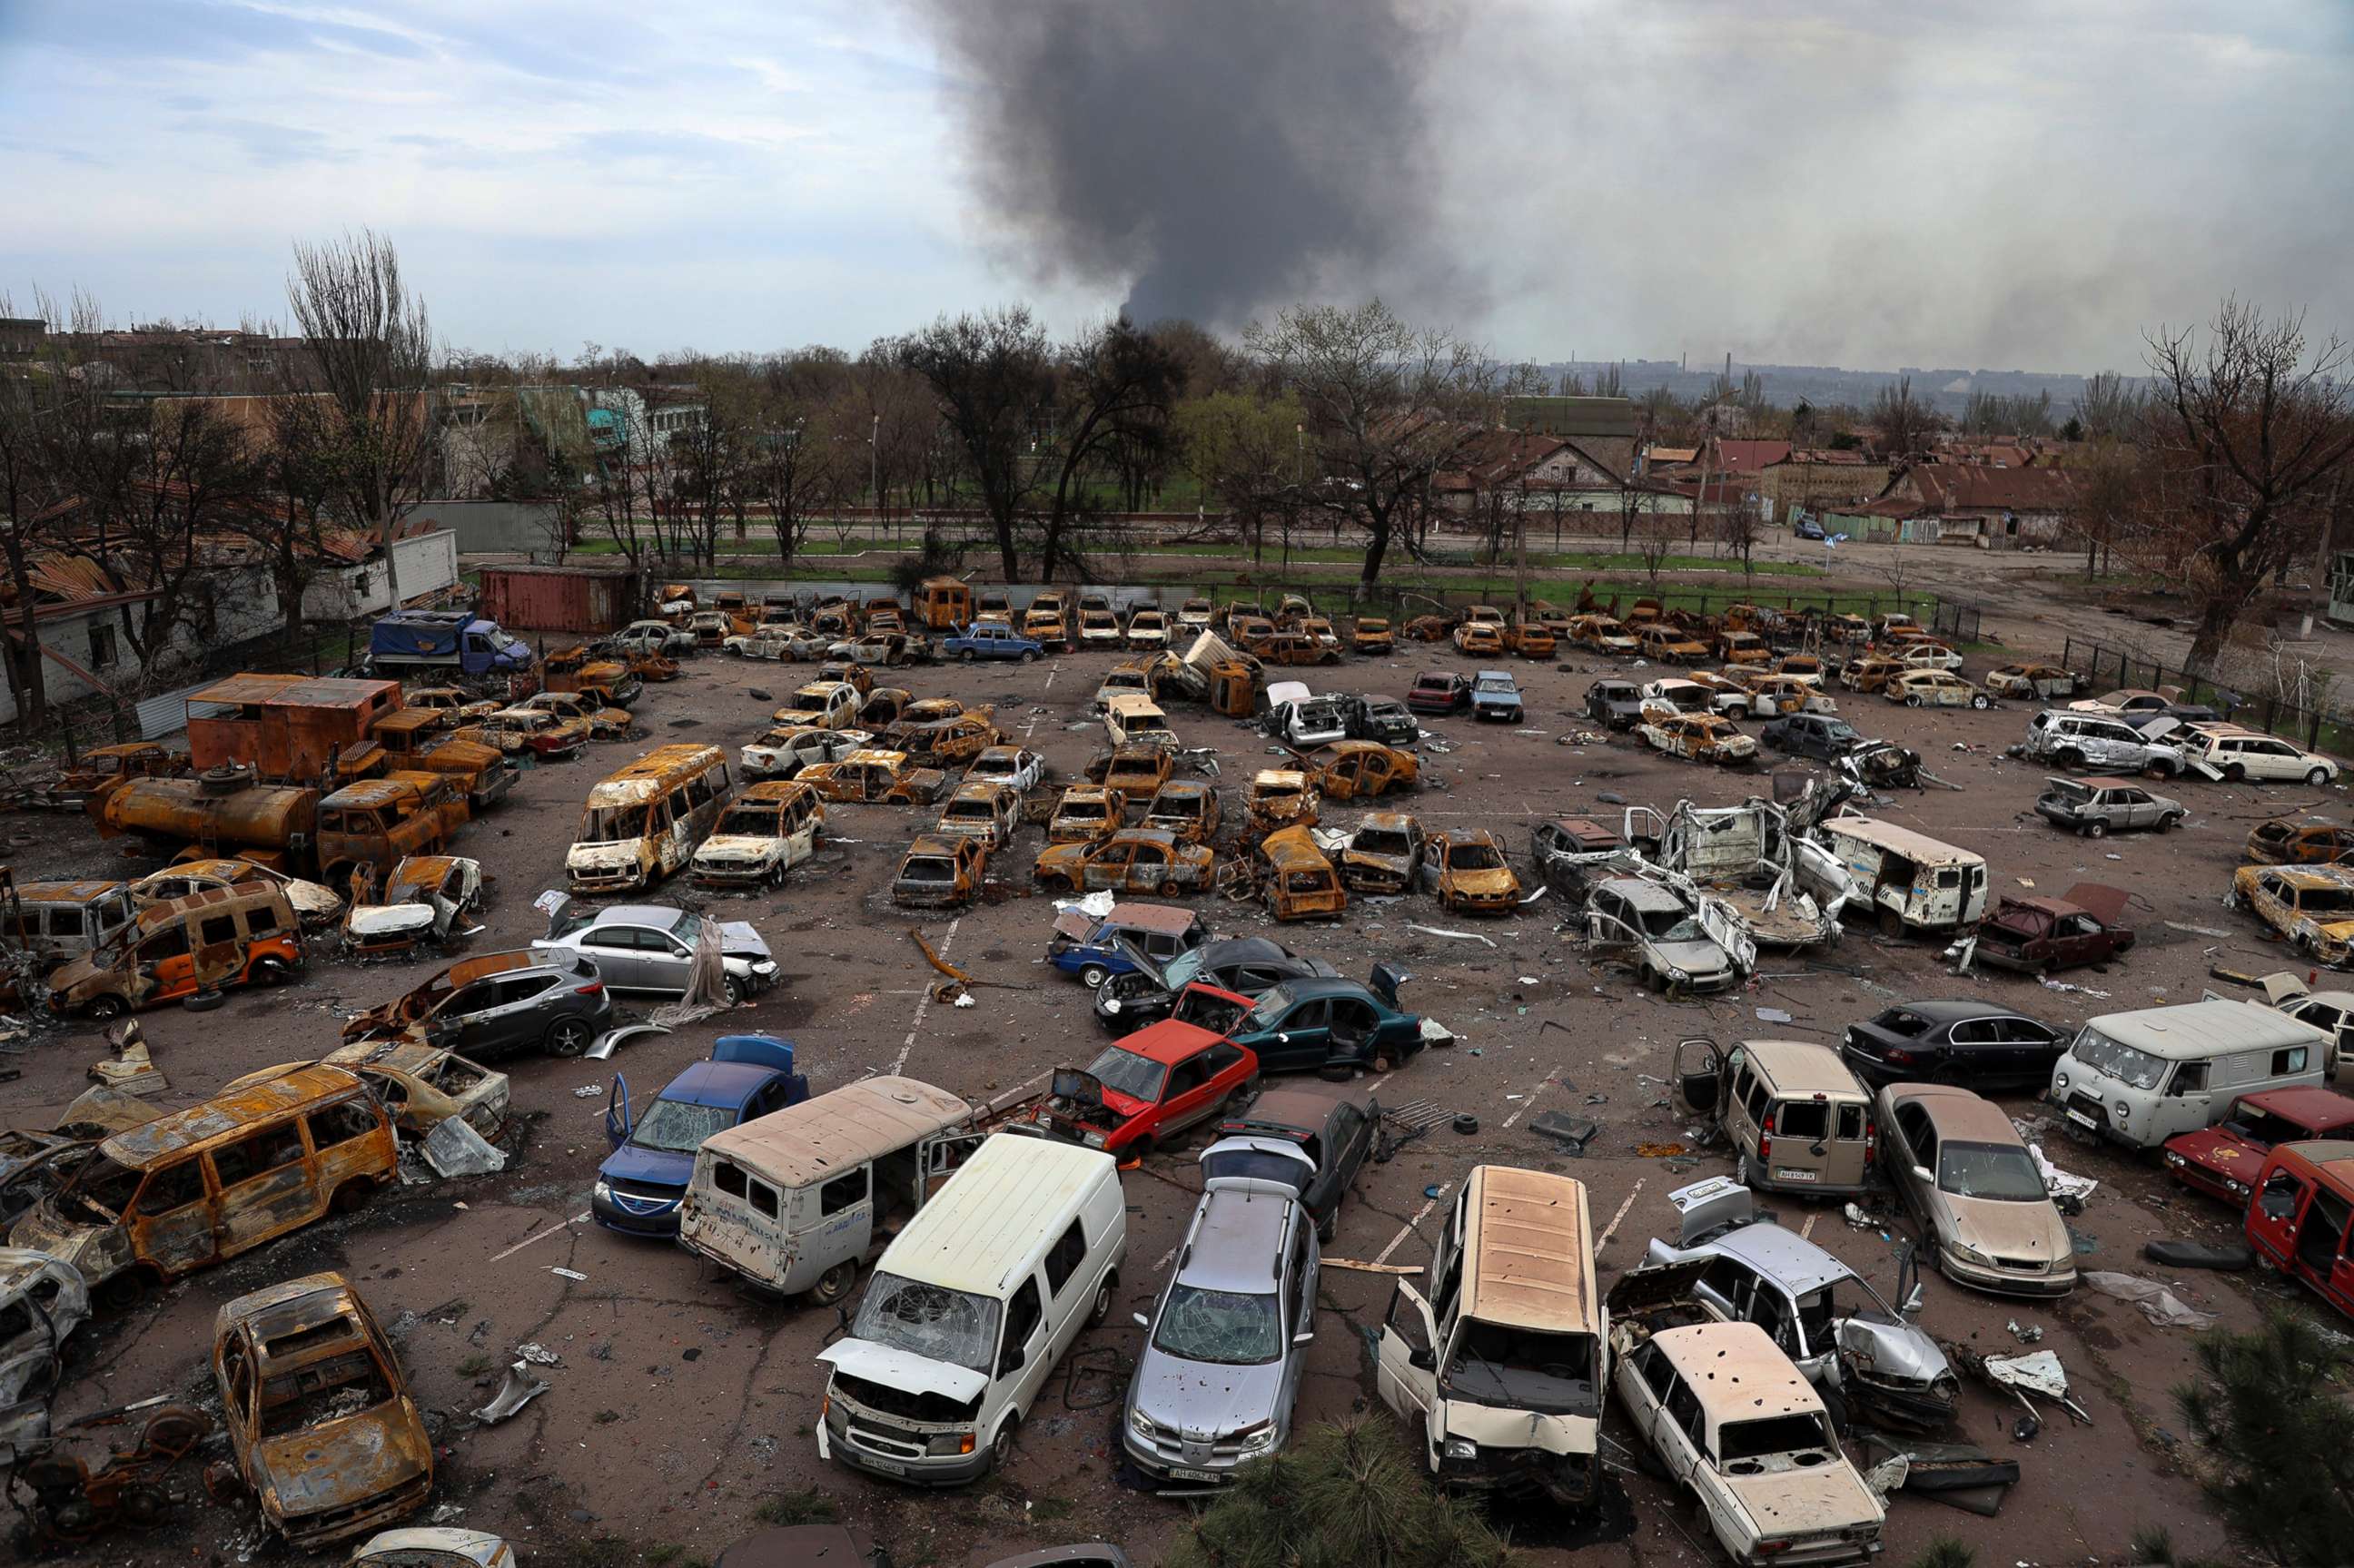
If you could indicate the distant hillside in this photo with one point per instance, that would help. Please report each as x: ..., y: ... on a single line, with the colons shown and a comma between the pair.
x: 1948, y: 390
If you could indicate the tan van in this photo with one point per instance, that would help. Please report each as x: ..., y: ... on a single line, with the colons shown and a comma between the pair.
x: 1796, y: 1118
x: 202, y: 1185
x: 243, y: 935
x: 1501, y: 1368
x: 56, y: 921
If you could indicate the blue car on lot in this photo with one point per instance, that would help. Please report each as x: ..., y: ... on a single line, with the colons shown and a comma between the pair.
x: 1808, y: 528
x: 1096, y: 947
x: 987, y: 640
x: 1496, y: 695
x: 641, y: 1183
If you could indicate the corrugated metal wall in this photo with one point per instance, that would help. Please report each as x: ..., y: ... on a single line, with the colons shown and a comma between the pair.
x: 541, y: 599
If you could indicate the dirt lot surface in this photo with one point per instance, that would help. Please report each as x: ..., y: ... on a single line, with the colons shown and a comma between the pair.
x: 682, y: 1406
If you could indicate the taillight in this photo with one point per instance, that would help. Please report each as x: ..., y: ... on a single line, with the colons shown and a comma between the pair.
x: 1765, y: 1148
x: 594, y: 987
x: 1870, y: 1140
x: 1901, y: 1057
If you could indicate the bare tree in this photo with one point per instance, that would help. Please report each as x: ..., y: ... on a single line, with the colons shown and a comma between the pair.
x: 39, y: 409
x: 2251, y: 430
x: 1247, y: 453
x: 1655, y: 541
x: 1907, y: 425
x: 2109, y: 409
x: 1114, y: 389
x: 993, y: 377
x: 1388, y: 404
x: 370, y: 354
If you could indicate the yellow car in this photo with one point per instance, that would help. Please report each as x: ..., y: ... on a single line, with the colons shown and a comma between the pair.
x: 1700, y: 738
x: 2311, y: 905
x: 1480, y: 636
x: 1468, y: 872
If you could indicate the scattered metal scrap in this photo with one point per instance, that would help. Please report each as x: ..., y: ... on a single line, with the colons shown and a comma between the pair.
x: 952, y: 990
x: 1452, y: 936
x: 521, y: 1387
x: 67, y: 1503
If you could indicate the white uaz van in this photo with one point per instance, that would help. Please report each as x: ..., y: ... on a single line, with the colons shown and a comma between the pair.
x: 970, y: 1308
x: 2141, y: 1077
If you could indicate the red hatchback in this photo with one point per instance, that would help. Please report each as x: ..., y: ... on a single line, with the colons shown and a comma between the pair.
x: 1147, y: 1088
x: 2222, y: 1161
x: 1439, y: 691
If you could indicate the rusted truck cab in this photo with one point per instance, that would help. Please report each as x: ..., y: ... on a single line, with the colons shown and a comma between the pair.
x: 198, y: 1186
x: 378, y: 822
x: 418, y: 740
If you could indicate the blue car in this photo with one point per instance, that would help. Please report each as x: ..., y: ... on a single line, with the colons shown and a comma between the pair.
x: 641, y: 1183
x: 1808, y: 528
x: 987, y: 640
x: 1096, y: 949
x: 1496, y: 695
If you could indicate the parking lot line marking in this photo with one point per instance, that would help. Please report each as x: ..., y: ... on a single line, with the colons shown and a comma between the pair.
x: 1052, y: 670
x: 1406, y: 1229
x: 540, y: 1237
x: 923, y: 1003
x: 1612, y: 1228
x: 1542, y: 1083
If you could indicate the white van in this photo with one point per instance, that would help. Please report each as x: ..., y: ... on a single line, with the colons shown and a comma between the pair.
x: 798, y: 1200
x: 1132, y: 718
x: 1501, y: 1368
x: 2141, y: 1077
x: 969, y: 1309
x: 1916, y: 883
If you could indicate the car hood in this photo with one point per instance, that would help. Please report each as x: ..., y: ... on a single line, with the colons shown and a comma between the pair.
x: 1893, y: 1347
x: 903, y: 1370
x: 1396, y: 863
x: 1496, y: 881
x: 2011, y: 1230
x: 1203, y: 1400
x: 2219, y: 1149
x: 739, y: 939
x: 343, y: 1462
x: 734, y: 846
x: 388, y: 919
x: 635, y: 1162
x: 600, y: 856
x: 1693, y: 958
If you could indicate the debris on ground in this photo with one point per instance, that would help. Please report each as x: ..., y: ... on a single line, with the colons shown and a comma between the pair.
x: 520, y: 1389
x: 1452, y: 936
x: 1572, y: 1132
x: 2025, y: 1334
x: 2162, y: 1306
x: 454, y: 1149
x: 2064, y: 1187
x: 131, y: 1069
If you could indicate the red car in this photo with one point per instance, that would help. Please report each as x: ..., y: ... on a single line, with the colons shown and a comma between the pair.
x: 1147, y: 1088
x: 1439, y: 691
x: 2222, y: 1161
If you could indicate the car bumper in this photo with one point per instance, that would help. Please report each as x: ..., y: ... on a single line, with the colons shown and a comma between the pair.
x: 1485, y: 903
x: 1569, y: 1479
x: 614, y: 1212
x: 592, y: 880
x: 1998, y: 1281
x: 493, y: 787
x: 306, y: 1534
x: 1159, y: 1467
x: 951, y: 1470
x: 750, y: 875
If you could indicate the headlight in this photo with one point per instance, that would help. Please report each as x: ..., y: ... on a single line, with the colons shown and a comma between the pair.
x: 1461, y: 1448
x: 1139, y: 1423
x: 1969, y: 1253
x: 1112, y: 1004
x: 1678, y: 977
x: 2059, y: 1080
x: 1256, y: 1439
x: 1092, y: 1140
x: 2123, y: 1110
x: 2176, y: 1160
x: 949, y: 1443
x: 603, y: 1189
x: 766, y: 967
x: 2238, y: 1189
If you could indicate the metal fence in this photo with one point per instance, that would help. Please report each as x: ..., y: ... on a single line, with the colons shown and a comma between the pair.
x: 1954, y: 621
x: 2105, y: 668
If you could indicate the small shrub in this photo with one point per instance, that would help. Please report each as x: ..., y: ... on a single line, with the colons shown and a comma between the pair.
x: 807, y: 1505
x: 2281, y: 1438
x: 1944, y: 1551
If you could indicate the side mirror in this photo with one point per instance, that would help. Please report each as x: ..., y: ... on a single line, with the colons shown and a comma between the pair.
x: 1304, y: 1337
x: 1142, y: 1320
x: 1423, y: 1360
x: 1912, y: 1302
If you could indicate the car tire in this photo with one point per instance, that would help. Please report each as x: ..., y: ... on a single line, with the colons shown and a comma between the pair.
x: 2096, y: 829
x: 966, y: 657
x: 1912, y: 700
x: 2168, y: 822
x: 1744, y: 1171
x: 269, y: 971
x: 1001, y: 1448
x: 124, y: 1291
x: 834, y: 1284
x: 569, y: 1037
x: 1030, y: 656
x: 351, y: 1196
x: 1093, y: 976
x: 105, y: 1008
x: 1979, y: 700
x: 734, y: 992
x: 2236, y: 773
x: 2316, y: 777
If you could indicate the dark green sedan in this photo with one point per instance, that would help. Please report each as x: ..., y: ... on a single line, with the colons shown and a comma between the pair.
x: 1308, y: 1023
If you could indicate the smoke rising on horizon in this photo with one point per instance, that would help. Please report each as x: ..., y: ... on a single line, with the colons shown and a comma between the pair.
x: 1220, y: 156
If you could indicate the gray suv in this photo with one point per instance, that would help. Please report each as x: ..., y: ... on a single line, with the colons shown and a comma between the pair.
x: 1226, y: 1344
x: 499, y: 1004
x: 651, y: 948
x: 2095, y: 742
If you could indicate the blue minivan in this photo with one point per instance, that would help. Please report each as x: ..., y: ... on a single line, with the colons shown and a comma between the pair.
x: 641, y: 1183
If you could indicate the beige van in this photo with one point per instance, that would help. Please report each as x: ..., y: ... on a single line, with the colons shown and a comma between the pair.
x: 1796, y: 1118
x: 1131, y: 719
x: 1913, y: 882
x: 202, y: 1185
x: 1501, y: 1368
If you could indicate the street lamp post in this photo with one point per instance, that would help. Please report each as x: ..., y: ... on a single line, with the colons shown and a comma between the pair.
x: 875, y: 463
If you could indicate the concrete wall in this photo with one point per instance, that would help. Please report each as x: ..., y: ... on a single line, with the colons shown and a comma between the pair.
x: 493, y: 527
x: 245, y: 603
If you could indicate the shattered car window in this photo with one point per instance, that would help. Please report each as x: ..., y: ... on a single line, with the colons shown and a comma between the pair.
x: 1779, y: 1435
x: 1224, y: 1328
x: 1269, y: 1010
x: 1206, y: 1010
x: 927, y: 871
x: 1474, y: 857
x: 678, y: 1127
x: 1381, y: 840
x: 1126, y: 1073
x: 1997, y: 1172
x: 929, y: 1320
x: 1520, y: 1368
x: 2135, y: 1069
x: 2326, y: 901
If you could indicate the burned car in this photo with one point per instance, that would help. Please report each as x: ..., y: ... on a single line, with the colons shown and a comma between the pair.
x: 2297, y: 841
x: 321, y: 1422
x: 1384, y: 854
x: 42, y: 1302
x: 1133, y: 860
x: 1281, y: 797
x: 428, y: 897
x: 1466, y: 870
x: 1360, y: 769
x: 2036, y: 936
x: 1385, y: 719
x: 1700, y: 738
x: 2311, y: 905
x: 1085, y: 814
x: 1679, y: 939
x: 874, y: 777
x: 422, y: 1086
x: 1862, y: 1355
x: 940, y: 872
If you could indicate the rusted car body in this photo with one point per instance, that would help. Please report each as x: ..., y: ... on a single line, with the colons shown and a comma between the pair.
x: 1301, y: 882
x: 1467, y: 870
x: 379, y: 822
x: 1700, y: 738
x: 423, y: 1086
x: 768, y: 829
x: 421, y: 741
x: 428, y: 897
x: 1281, y: 797
x: 983, y: 810
x: 321, y: 1422
x: 202, y: 1185
x: 1603, y: 634
x: 1133, y: 860
x: 2297, y: 841
x: 1665, y: 644
x: 1291, y: 647
x: 947, y: 742
x: 105, y: 769
x: 314, y: 902
x: 609, y: 682
x: 643, y: 821
x: 1384, y: 854
x: 56, y: 922
x: 1529, y: 640
x: 876, y: 777
x: 294, y: 728
x: 461, y: 707
x: 1137, y: 772
x: 940, y: 870
x: 605, y: 721
x: 1361, y: 769
x: 1188, y: 809
x: 1372, y: 635
x: 1869, y: 673
x: 223, y: 936
x: 1085, y: 814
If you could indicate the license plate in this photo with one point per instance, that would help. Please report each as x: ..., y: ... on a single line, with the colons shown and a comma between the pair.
x: 1793, y: 1176
x: 1179, y: 1473
x: 888, y: 1466
x: 2081, y: 1119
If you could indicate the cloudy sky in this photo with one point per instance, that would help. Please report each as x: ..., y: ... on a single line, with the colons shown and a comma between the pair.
x: 1869, y: 183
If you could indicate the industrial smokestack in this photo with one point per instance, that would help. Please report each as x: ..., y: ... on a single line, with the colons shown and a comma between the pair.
x: 1217, y: 157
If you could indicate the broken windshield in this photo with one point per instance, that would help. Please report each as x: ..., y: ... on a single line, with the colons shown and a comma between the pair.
x: 1475, y: 857
x: 927, y: 870
x: 1776, y: 1435
x: 2135, y: 1069
x: 1521, y: 1369
x: 929, y: 1320
x: 1126, y: 1073
x: 2001, y: 1173
x: 677, y: 1126
x: 613, y: 825
x: 1224, y: 1328
x: 1383, y: 841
